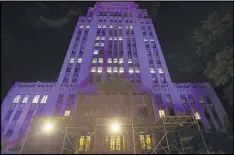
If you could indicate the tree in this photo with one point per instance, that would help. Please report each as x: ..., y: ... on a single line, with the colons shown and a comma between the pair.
x: 214, y: 40
x: 214, y: 46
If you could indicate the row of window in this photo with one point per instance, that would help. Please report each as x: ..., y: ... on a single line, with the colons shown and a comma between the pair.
x: 115, y: 143
x: 17, y: 115
x: 132, y: 55
x: 150, y: 58
x: 110, y: 26
x: 28, y: 116
x: 191, y: 99
x: 114, y: 69
x: 79, y: 60
x: 160, y: 70
x: 82, y: 26
x: 115, y: 13
x: 184, y: 99
x: 35, y: 99
x: 162, y: 114
x: 73, y: 55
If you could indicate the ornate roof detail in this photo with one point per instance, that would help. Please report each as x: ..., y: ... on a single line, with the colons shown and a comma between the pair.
x: 117, y: 86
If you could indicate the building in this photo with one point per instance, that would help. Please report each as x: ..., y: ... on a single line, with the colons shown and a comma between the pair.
x: 115, y: 41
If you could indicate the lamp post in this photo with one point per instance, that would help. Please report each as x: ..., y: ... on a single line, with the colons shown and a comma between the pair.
x: 47, y: 128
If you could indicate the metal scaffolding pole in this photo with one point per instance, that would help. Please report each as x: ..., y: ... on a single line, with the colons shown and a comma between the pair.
x: 165, y: 131
x: 133, y: 136
x: 176, y: 124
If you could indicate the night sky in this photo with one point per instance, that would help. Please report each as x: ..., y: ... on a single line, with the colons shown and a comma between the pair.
x: 36, y: 35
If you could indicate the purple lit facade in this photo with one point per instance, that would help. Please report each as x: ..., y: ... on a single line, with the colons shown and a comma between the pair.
x: 114, y: 40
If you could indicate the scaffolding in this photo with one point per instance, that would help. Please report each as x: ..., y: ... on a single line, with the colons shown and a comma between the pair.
x: 170, y: 134
x: 65, y: 136
x: 37, y: 141
x: 175, y: 134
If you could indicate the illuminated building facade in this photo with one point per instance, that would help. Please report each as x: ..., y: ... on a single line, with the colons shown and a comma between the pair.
x: 115, y: 40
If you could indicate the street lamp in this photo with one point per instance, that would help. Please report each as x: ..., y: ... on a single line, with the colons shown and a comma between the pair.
x: 115, y: 127
x: 47, y: 127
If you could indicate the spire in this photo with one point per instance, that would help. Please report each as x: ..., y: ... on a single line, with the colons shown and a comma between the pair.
x: 116, y: 5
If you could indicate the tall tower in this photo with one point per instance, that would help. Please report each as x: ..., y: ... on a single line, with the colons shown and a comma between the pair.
x: 115, y: 40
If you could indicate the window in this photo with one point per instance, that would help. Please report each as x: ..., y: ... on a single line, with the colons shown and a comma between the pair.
x: 67, y: 113
x: 145, y: 142
x: 191, y: 99
x: 84, y: 143
x: 95, y: 51
x: 152, y: 70
x: 44, y: 99
x: 129, y: 61
x: 115, y: 60
x: 17, y: 115
x: 93, y: 69
x: 16, y: 99
x: 130, y: 70
x: 110, y: 38
x: 115, y: 38
x: 183, y: 99
x: 71, y: 60
x: 103, y: 26
x: 160, y: 70
x: 115, y: 69
x: 121, y: 60
x: 87, y: 26
x: 25, y: 99
x: 145, y: 39
x: 121, y: 70
x: 137, y: 70
x: 35, y: 99
x: 120, y: 38
x: 94, y: 60
x: 29, y: 115
x: 7, y: 117
x: 201, y: 99
x: 102, y: 44
x: 197, y: 115
x: 168, y: 99
x: 171, y: 111
x: 143, y: 112
x: 8, y: 134
x: 131, y: 27
x: 115, y: 143
x: 69, y: 69
x: 98, y: 38
x: 148, y: 142
x: 100, y: 60
x: 79, y: 60
x: 99, y: 26
x: 111, y: 26
x: 109, y: 69
x: 99, y: 69
x: 103, y: 38
x: 161, y: 113
x: 208, y: 100
x: 81, y: 26
x: 112, y: 143
x: 109, y: 60
x: 96, y: 44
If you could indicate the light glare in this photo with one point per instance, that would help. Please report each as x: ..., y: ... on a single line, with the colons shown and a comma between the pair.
x: 47, y: 127
x: 115, y: 127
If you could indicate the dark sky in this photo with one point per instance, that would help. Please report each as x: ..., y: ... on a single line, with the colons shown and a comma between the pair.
x: 36, y: 35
